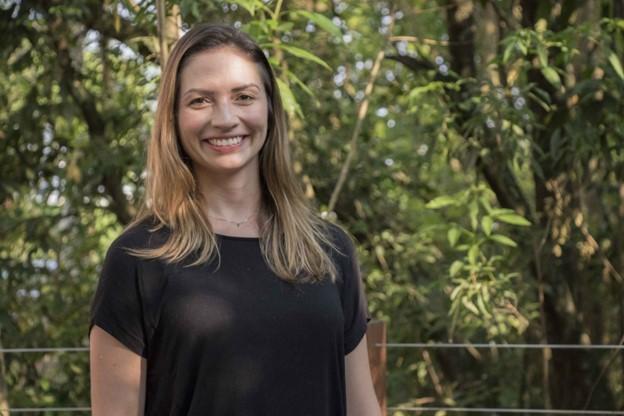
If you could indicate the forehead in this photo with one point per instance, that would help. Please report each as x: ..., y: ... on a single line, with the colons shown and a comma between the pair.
x: 220, y: 68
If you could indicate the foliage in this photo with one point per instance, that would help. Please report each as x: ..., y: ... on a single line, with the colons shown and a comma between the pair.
x: 486, y: 190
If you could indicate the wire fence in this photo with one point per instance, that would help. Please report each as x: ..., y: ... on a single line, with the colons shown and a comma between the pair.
x: 43, y: 409
x: 442, y: 345
x: 424, y: 345
x: 27, y: 350
x: 482, y: 410
x: 384, y: 345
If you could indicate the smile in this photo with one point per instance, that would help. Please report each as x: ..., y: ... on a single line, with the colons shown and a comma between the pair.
x: 225, y: 141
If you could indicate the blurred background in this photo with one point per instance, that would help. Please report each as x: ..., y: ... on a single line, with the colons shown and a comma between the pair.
x: 474, y: 148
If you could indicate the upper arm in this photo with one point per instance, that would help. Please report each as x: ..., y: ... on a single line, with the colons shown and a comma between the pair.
x: 117, y: 377
x: 361, y: 399
x: 351, y: 288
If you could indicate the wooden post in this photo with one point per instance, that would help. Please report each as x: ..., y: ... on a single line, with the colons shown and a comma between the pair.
x: 376, y: 340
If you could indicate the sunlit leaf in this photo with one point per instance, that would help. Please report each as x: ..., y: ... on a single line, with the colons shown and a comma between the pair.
x: 302, y: 53
x: 617, y: 65
x: 321, y: 21
x: 453, y: 236
x: 290, y: 103
x: 551, y: 76
x: 441, y: 202
x: 486, y: 224
x: 513, y: 218
x: 503, y: 240
x: 455, y: 268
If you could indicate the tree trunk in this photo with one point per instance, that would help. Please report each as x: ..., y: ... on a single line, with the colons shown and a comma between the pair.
x: 168, y: 28
x: 556, y: 200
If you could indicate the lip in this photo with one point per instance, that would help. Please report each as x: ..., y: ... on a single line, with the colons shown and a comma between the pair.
x: 228, y: 136
x: 225, y: 149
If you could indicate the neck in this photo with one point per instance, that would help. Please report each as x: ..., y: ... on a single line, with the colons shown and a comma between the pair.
x: 229, y: 199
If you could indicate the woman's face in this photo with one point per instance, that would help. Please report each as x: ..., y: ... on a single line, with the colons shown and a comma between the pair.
x: 222, y: 111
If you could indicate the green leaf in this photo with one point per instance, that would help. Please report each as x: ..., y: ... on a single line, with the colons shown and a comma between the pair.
x: 441, y: 201
x: 290, y: 103
x: 486, y: 224
x: 250, y: 5
x: 482, y: 306
x: 514, y: 219
x: 416, y: 93
x: 321, y: 21
x: 616, y: 64
x: 473, y: 212
x: 485, y: 293
x: 522, y: 48
x: 503, y: 239
x: 453, y: 236
x: 542, y: 54
x: 473, y: 253
x: 538, y: 99
x: 457, y: 290
x: 455, y: 268
x: 551, y: 76
x: 300, y: 83
x: 485, y: 203
x: 499, y: 211
x: 508, y: 51
x: 470, y: 306
x: 303, y: 54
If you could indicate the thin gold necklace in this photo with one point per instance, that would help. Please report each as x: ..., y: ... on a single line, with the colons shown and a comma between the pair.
x: 236, y: 223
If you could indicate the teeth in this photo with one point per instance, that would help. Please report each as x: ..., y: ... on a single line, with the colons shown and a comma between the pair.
x: 230, y: 141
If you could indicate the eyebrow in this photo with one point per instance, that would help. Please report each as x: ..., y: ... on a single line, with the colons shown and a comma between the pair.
x: 210, y: 92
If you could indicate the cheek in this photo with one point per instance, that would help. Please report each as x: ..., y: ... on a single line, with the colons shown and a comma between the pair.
x: 190, y: 123
x: 260, y: 118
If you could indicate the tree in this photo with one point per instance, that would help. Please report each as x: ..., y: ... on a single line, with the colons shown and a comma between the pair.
x: 478, y: 142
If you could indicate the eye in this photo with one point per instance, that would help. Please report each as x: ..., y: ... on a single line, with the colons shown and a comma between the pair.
x: 245, y: 98
x: 199, y: 101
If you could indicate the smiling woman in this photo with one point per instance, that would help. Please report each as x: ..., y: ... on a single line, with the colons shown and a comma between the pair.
x: 227, y: 295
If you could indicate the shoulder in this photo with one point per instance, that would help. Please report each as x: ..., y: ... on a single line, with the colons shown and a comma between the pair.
x: 339, y: 236
x: 342, y: 247
x: 139, y: 235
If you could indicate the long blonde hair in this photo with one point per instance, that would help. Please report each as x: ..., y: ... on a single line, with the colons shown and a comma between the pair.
x: 293, y: 239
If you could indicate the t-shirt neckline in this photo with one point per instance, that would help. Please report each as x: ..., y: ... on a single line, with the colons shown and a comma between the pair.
x: 236, y: 238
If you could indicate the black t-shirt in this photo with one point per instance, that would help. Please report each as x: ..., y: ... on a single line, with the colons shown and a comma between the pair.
x: 232, y: 340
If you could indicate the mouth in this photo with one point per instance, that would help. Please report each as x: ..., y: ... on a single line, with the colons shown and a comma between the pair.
x: 225, y: 141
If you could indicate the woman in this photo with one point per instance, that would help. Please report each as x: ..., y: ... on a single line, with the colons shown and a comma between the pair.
x: 227, y: 295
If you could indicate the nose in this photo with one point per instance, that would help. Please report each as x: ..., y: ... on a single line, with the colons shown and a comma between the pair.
x: 224, y: 116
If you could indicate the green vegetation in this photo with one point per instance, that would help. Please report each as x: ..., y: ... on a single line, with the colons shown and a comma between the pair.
x: 475, y: 149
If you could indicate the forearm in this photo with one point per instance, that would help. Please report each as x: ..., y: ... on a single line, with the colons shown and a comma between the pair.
x: 361, y: 398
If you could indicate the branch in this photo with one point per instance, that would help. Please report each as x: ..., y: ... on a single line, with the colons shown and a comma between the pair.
x: 125, y: 30
x: 361, y: 114
x: 415, y: 64
x: 503, y: 183
x: 72, y: 81
x: 510, y: 23
x: 426, y: 41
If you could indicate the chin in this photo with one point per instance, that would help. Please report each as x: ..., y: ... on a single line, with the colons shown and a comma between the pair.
x: 231, y: 166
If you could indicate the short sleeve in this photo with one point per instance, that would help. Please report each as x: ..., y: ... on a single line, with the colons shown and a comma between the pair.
x: 117, y: 303
x: 354, y: 305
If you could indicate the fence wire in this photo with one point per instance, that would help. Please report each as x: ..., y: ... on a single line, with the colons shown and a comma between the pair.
x: 59, y: 349
x: 498, y: 410
x: 436, y: 345
x: 443, y: 345
x: 43, y: 409
x: 440, y: 345
x: 491, y: 410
